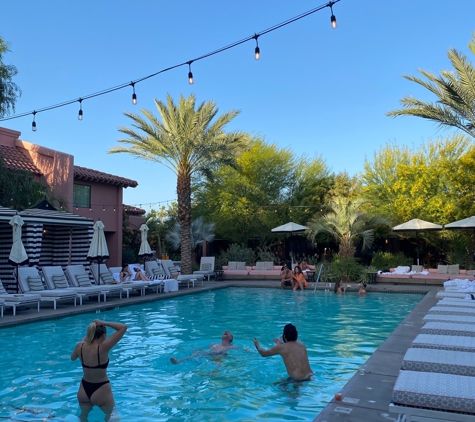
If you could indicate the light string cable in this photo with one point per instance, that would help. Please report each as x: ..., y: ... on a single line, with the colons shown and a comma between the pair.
x: 187, y: 63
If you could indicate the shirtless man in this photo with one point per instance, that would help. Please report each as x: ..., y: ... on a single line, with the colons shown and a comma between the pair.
x: 215, y: 349
x: 293, y: 353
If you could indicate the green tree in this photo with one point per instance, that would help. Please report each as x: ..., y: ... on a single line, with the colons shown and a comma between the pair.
x: 347, y: 224
x: 187, y: 141
x: 455, y: 92
x: 9, y: 91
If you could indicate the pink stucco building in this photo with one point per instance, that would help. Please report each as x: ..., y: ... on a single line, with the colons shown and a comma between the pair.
x: 83, y: 191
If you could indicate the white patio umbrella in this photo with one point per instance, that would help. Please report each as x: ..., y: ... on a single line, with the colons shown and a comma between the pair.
x: 417, y: 225
x: 290, y: 228
x: 145, y: 250
x: 98, y: 251
x: 465, y: 224
x: 18, y: 254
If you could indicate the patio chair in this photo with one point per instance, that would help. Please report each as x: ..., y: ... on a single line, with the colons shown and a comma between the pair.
x: 448, y: 328
x: 460, y: 303
x: 459, y: 319
x: 14, y: 300
x: 206, y: 267
x: 79, y: 277
x: 446, y: 342
x: 29, y: 281
x: 170, y: 270
x: 451, y: 310
x: 429, y: 396
x: 106, y: 279
x: 153, y: 283
x: 55, y: 278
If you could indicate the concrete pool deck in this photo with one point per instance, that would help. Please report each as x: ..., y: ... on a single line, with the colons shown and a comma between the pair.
x: 366, y: 396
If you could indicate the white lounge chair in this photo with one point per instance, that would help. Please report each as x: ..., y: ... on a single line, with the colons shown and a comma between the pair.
x: 451, y: 310
x: 453, y: 295
x: 462, y: 303
x: 172, y: 271
x: 459, y: 319
x: 14, y: 300
x: 29, y: 281
x: 79, y: 277
x: 434, y: 341
x: 106, y: 279
x: 441, y: 361
x: 55, y: 278
x: 448, y: 328
x: 428, y: 396
x: 206, y: 267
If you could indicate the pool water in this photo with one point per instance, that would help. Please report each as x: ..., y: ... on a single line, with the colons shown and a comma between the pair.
x: 38, y: 380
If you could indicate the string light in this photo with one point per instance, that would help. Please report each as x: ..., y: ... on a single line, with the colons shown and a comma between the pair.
x: 257, y: 51
x: 332, y: 19
x: 190, y: 74
x: 80, y: 109
x: 103, y: 208
x: 33, y: 124
x: 134, y: 96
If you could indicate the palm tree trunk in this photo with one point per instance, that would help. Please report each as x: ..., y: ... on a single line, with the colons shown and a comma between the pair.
x: 184, y: 216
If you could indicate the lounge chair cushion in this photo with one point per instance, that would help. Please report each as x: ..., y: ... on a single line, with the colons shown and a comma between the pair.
x: 453, y: 269
x: 59, y: 281
x: 441, y: 361
x: 434, y: 341
x: 448, y: 329
x: 107, y: 278
x: 232, y: 265
x: 157, y: 272
x: 240, y: 265
x: 269, y: 265
x: 83, y: 280
x: 206, y: 266
x: 417, y: 268
x: 435, y: 391
x: 442, y: 269
x: 35, y: 284
x: 260, y: 266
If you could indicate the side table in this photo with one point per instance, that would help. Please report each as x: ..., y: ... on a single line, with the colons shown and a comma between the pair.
x: 219, y: 275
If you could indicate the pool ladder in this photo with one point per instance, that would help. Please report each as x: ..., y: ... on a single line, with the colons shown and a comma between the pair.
x: 318, y: 278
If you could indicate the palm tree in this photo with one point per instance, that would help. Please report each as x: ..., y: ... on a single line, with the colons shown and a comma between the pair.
x: 187, y: 141
x: 200, y: 231
x: 456, y: 92
x: 347, y: 224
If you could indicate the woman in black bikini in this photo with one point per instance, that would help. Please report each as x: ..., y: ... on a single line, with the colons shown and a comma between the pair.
x: 95, y: 388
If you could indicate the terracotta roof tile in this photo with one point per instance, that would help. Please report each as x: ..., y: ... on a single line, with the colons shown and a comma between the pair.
x: 90, y: 175
x: 14, y: 159
x: 129, y: 209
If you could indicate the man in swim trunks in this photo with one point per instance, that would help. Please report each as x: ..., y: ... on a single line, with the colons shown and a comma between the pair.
x: 215, y: 349
x: 292, y: 352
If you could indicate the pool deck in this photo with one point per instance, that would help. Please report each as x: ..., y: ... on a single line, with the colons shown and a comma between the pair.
x: 366, y: 396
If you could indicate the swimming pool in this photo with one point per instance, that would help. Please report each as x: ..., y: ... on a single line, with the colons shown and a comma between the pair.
x: 340, y: 332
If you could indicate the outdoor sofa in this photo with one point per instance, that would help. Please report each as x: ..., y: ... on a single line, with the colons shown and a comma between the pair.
x: 263, y: 270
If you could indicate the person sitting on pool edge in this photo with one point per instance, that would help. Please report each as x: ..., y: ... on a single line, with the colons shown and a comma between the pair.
x: 216, y: 349
x: 298, y: 280
x: 286, y: 275
x: 293, y: 353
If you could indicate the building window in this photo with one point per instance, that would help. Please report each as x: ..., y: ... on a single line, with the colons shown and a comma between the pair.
x: 82, y: 196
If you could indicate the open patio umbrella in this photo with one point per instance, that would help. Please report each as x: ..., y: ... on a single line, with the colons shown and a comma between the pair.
x: 145, y: 250
x: 18, y: 254
x: 98, y: 251
x: 465, y: 224
x: 290, y: 228
x: 417, y: 225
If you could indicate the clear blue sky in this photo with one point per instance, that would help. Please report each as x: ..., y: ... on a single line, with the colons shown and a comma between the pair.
x: 316, y: 90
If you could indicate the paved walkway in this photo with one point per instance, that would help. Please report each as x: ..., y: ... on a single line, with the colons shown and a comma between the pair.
x: 365, y: 397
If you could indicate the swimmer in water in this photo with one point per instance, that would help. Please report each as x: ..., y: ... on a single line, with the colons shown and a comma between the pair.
x: 292, y: 352
x: 215, y: 349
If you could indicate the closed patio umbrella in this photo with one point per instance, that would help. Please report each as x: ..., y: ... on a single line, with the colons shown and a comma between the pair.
x: 18, y: 254
x: 145, y: 250
x: 417, y: 225
x: 98, y: 251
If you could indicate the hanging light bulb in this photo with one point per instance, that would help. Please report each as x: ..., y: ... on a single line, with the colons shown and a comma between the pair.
x: 190, y: 74
x: 33, y: 124
x: 333, y: 19
x: 80, y: 109
x: 114, y: 208
x: 257, y: 51
x: 134, y: 95
x: 103, y: 208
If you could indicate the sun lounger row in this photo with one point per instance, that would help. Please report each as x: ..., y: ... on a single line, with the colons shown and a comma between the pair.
x: 437, y: 380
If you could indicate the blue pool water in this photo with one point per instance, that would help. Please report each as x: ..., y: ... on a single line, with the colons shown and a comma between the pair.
x: 39, y: 382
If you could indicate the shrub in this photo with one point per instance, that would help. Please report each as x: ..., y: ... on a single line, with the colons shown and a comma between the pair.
x: 385, y: 260
x: 346, y: 268
x: 264, y: 253
x: 236, y: 252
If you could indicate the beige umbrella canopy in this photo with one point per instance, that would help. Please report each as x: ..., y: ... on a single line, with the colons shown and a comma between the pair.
x: 465, y: 224
x: 145, y: 250
x: 417, y: 225
x: 290, y: 227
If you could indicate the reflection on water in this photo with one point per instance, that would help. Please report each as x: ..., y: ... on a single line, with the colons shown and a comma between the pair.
x: 39, y: 382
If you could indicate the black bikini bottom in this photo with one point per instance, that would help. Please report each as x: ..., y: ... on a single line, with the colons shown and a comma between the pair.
x: 91, y: 387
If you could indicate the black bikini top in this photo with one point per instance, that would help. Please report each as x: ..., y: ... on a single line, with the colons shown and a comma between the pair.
x: 99, y: 365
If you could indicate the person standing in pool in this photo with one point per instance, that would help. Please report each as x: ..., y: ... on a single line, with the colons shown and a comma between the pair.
x: 95, y: 388
x: 292, y: 352
x: 215, y: 349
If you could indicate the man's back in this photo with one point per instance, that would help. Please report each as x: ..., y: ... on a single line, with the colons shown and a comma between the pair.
x: 295, y: 359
